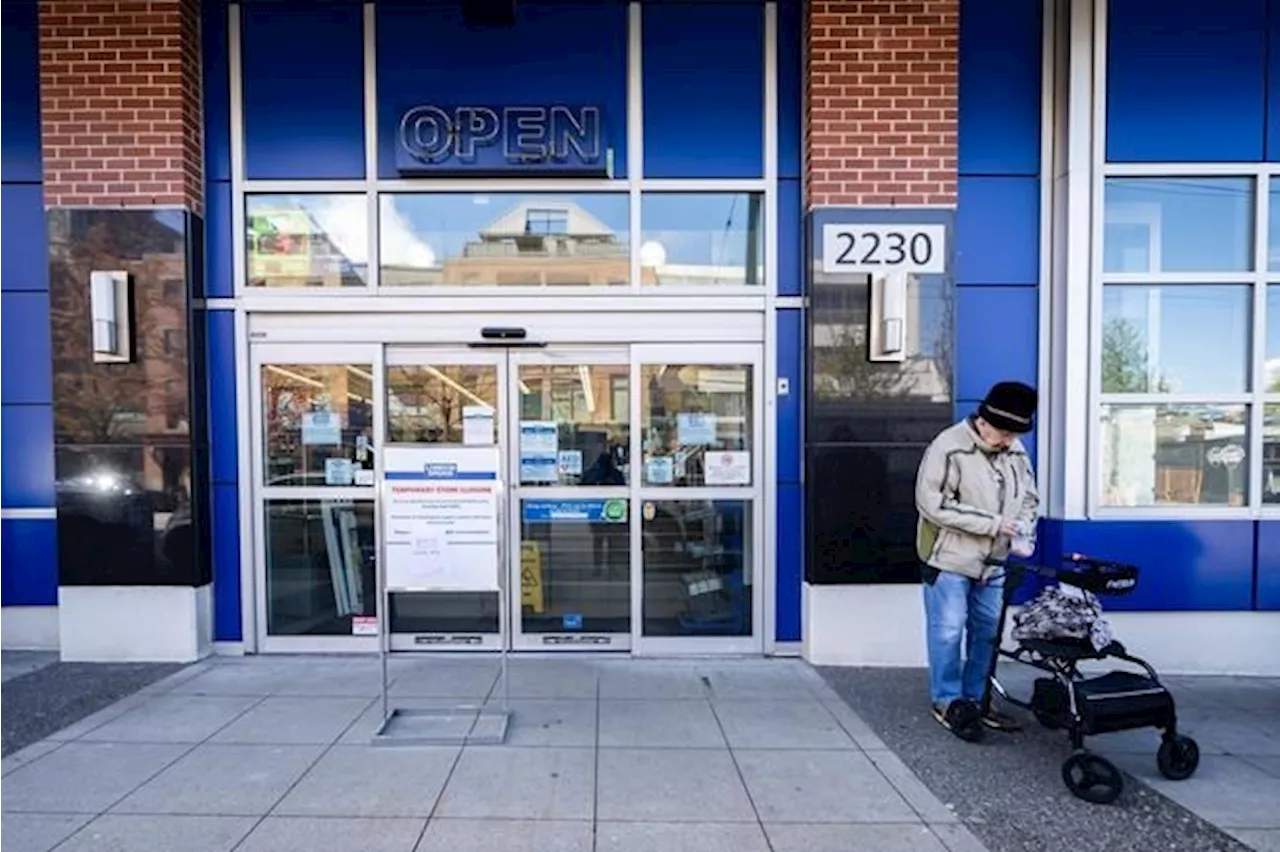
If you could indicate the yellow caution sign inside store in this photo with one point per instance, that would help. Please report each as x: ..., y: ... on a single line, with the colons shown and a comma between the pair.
x: 531, y: 575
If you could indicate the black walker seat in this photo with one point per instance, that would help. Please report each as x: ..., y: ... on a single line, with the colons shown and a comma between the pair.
x: 1085, y: 706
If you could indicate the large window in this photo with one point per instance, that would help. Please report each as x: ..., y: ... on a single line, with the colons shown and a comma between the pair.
x: 1189, y: 325
x: 508, y: 240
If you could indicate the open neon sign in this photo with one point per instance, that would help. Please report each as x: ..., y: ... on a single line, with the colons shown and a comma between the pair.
x: 435, y: 139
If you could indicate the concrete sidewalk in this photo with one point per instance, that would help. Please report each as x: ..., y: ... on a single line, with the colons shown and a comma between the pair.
x: 1236, y: 722
x: 604, y: 755
x: 1009, y: 789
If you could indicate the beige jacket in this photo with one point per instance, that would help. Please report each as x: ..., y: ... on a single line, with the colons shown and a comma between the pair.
x: 964, y: 490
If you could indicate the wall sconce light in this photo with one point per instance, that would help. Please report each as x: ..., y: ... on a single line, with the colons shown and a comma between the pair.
x: 887, y: 340
x: 110, y: 300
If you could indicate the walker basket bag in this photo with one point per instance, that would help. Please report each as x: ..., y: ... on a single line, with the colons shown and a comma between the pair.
x: 1123, y: 701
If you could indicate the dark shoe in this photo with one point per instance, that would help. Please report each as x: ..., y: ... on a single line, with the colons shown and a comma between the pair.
x: 962, y: 718
x: 997, y: 721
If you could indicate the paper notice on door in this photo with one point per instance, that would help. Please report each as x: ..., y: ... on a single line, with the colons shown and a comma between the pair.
x: 694, y: 428
x: 337, y: 471
x: 477, y: 425
x: 728, y: 468
x: 538, y: 436
x: 659, y: 471
x: 363, y: 477
x: 539, y: 452
x: 569, y: 462
x: 364, y: 625
x: 321, y: 427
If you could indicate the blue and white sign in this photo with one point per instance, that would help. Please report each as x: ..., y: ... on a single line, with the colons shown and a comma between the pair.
x: 694, y: 428
x: 539, y: 452
x: 590, y: 510
x: 321, y: 427
x: 551, y: 139
x: 440, y: 518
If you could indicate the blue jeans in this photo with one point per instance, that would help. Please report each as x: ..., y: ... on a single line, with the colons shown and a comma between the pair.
x: 958, y: 610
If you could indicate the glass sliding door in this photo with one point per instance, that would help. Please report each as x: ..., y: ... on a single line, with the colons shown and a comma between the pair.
x: 698, y: 498
x: 570, y: 519
x: 315, y: 415
x: 632, y: 507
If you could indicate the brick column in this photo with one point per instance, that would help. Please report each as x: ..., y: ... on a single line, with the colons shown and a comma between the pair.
x: 121, y: 136
x: 121, y: 103
x: 882, y: 102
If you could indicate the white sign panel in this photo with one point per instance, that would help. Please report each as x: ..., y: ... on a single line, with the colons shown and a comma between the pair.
x: 728, y: 468
x: 477, y: 425
x: 440, y: 518
x: 921, y: 249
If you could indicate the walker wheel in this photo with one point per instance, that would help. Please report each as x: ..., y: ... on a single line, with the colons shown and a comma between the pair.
x: 1178, y: 758
x: 1092, y: 778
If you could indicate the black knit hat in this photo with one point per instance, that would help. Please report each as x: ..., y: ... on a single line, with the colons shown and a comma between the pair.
x: 1010, y: 406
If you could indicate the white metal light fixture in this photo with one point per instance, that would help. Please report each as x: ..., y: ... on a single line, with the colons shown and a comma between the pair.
x: 109, y: 295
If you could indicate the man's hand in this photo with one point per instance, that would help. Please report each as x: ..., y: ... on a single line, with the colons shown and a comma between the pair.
x: 1008, y: 528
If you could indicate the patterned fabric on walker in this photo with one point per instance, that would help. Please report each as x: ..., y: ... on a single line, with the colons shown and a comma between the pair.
x: 1057, y: 614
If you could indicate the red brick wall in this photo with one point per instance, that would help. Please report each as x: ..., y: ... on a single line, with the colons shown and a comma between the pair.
x: 121, y: 103
x: 882, y: 101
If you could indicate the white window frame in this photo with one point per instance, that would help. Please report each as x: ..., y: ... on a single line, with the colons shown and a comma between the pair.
x: 1258, y: 278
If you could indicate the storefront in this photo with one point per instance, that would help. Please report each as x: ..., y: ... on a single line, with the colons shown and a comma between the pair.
x: 611, y: 245
x: 522, y: 267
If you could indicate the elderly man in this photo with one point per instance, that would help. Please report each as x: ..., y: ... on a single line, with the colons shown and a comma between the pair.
x: 977, y: 499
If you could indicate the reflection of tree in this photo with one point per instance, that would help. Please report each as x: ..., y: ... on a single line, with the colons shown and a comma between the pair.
x: 843, y: 371
x: 1125, y: 365
x: 101, y: 403
x: 432, y: 407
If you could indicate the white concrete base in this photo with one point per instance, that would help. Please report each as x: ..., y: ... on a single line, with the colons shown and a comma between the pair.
x: 228, y: 649
x: 135, y: 624
x: 29, y: 628
x: 884, y: 626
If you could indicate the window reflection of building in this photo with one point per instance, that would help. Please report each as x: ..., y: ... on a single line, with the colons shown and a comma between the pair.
x: 907, y: 400
x: 122, y: 429
x: 541, y: 242
x: 319, y: 240
x: 143, y: 402
x: 1170, y: 455
x: 306, y: 241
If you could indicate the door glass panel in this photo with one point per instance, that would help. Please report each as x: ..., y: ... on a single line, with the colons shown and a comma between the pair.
x: 574, y: 427
x: 697, y: 567
x: 436, y: 404
x: 575, y: 566
x: 319, y: 424
x: 320, y: 566
x: 697, y: 421
x: 444, y: 612
x: 442, y: 403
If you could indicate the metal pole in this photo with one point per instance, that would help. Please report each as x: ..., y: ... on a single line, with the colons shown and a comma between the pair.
x: 384, y: 599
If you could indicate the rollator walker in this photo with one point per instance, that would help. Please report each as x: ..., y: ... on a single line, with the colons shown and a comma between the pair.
x: 1083, y: 706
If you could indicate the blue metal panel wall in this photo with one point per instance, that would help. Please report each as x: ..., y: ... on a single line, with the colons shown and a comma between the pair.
x: 1267, y: 582
x: 303, y: 72
x: 1186, y: 81
x: 998, y: 221
x: 789, y: 555
x: 569, y: 53
x: 703, y: 90
x: 26, y: 387
x: 790, y: 509
x: 219, y: 337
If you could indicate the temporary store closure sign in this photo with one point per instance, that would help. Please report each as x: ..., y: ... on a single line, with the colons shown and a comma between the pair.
x: 440, y: 518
